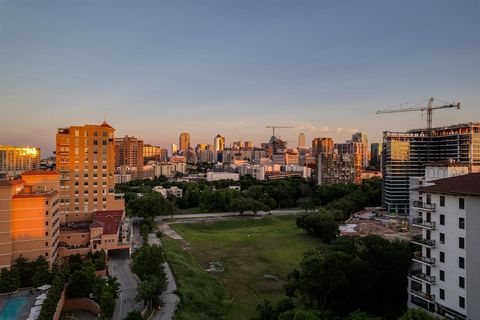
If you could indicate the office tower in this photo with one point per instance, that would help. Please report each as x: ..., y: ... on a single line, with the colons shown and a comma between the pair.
x: 129, y: 152
x: 86, y: 162
x: 248, y: 144
x: 237, y: 144
x: 219, y: 143
x: 154, y: 153
x: 359, y: 151
x: 184, y: 141
x: 302, y: 143
x: 376, y: 155
x: 322, y: 146
x: 444, y: 277
x: 16, y: 160
x: 174, y: 148
x: 405, y: 155
x: 29, y: 217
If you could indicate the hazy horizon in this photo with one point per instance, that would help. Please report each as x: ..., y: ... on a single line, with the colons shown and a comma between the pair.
x: 155, y: 69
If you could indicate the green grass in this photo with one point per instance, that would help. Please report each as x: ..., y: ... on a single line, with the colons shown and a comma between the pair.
x: 248, y: 249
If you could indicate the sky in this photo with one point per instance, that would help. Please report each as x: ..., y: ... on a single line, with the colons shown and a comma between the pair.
x: 156, y: 68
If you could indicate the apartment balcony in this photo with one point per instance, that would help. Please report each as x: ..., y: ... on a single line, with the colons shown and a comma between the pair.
x: 423, y: 295
x: 420, y: 276
x: 419, y: 222
x: 418, y: 257
x: 424, y: 206
x: 423, y: 242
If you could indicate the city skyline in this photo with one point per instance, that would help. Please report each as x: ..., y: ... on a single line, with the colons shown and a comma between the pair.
x: 171, y: 68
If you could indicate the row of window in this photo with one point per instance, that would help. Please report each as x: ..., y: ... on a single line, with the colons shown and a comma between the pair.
x: 461, y: 300
x: 461, y: 221
x: 461, y: 240
x: 461, y: 202
x: 461, y: 260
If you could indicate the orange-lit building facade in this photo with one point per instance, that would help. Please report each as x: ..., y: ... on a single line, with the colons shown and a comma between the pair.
x: 86, y: 163
x: 322, y: 146
x: 15, y: 160
x: 29, y: 217
x: 129, y: 152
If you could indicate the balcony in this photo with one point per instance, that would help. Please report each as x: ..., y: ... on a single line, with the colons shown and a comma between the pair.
x: 418, y: 222
x: 419, y: 276
x: 424, y: 206
x: 423, y: 242
x: 423, y: 295
x: 417, y: 256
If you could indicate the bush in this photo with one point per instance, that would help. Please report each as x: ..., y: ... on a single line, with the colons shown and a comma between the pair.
x: 321, y: 225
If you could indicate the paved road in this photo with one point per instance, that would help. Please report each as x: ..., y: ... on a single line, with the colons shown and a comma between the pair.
x: 228, y: 214
x: 119, y: 265
x: 169, y: 298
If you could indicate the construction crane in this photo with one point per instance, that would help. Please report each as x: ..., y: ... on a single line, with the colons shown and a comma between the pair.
x: 276, y: 127
x: 429, y: 108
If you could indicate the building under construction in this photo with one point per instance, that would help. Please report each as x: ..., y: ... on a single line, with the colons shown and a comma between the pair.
x: 405, y: 155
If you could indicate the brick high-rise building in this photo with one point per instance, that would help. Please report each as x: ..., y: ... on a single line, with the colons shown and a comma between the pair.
x: 129, y: 153
x: 86, y: 163
x: 15, y: 160
x: 29, y: 217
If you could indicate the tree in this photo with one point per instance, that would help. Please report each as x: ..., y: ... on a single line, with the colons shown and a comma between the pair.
x: 25, y: 271
x: 133, y: 315
x: 147, y: 292
x: 266, y: 311
x: 41, y: 274
x: 305, y: 203
x: 107, y: 304
x: 358, y: 315
x: 148, y: 261
x: 321, y: 224
x: 114, y: 285
x: 82, y: 282
x: 9, y: 280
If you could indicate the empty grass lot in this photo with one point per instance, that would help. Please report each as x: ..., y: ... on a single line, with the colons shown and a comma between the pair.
x: 248, y: 250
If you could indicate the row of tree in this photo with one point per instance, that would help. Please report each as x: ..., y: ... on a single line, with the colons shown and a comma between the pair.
x: 25, y: 273
x: 147, y: 264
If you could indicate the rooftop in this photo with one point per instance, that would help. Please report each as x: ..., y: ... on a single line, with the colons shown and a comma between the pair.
x: 110, y: 220
x: 468, y: 184
x: 40, y: 173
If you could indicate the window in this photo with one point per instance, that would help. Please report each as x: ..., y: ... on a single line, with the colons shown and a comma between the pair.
x: 46, y: 244
x: 442, y: 256
x: 46, y: 213
x: 461, y: 243
x: 461, y: 302
x: 461, y: 262
x: 442, y: 201
x: 442, y: 275
x: 461, y: 282
x: 442, y: 219
x: 442, y: 237
x: 461, y: 203
x: 461, y: 223
x: 442, y: 294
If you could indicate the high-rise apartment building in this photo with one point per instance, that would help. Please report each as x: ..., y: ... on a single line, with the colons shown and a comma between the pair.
x: 405, y: 155
x: 29, y: 217
x: 86, y: 162
x: 15, y: 160
x: 302, y: 142
x: 322, y: 146
x: 337, y: 167
x: 184, y: 141
x: 174, y: 148
x: 219, y: 143
x: 129, y: 152
x: 444, y: 277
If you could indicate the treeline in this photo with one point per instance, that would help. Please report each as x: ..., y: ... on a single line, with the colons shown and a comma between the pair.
x: 255, y: 195
x: 354, y: 278
x: 25, y: 273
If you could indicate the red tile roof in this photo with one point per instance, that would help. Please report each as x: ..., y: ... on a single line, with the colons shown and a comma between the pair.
x: 468, y: 184
x: 11, y: 183
x: 110, y: 220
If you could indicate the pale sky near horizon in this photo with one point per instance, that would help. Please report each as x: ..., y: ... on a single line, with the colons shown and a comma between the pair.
x: 157, y: 68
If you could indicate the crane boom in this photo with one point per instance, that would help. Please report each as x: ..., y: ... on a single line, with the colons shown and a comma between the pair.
x: 276, y: 127
x: 429, y: 108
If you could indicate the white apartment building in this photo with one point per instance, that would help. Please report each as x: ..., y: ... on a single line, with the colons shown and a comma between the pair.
x: 445, y: 274
x: 214, y: 176
x: 173, y: 190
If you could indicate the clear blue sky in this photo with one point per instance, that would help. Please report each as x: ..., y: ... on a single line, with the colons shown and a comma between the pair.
x: 156, y: 68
